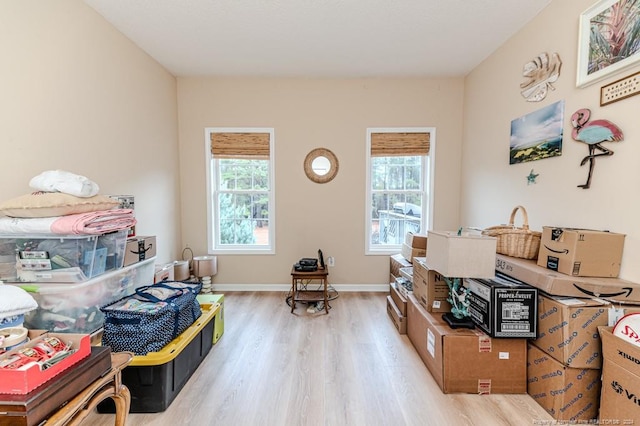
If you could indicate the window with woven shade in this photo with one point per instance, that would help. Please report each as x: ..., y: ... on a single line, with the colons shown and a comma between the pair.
x: 240, y: 189
x: 398, y: 181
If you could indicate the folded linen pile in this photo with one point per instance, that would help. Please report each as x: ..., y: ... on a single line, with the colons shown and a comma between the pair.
x: 64, y: 204
x: 90, y: 223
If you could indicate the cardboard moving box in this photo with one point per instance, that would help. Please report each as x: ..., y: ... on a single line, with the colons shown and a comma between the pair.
x: 466, y: 361
x: 566, y: 393
x: 409, y: 252
x: 568, y: 328
x: 581, y: 252
x: 620, y: 399
x: 396, y: 262
x: 503, y: 306
x: 139, y: 249
x: 396, y: 317
x: 429, y: 287
x: 416, y: 240
x: 398, y: 299
x: 559, y: 284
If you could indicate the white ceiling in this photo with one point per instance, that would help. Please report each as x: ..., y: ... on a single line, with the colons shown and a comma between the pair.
x: 319, y: 38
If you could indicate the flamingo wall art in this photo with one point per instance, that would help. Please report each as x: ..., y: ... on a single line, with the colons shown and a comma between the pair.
x: 593, y: 133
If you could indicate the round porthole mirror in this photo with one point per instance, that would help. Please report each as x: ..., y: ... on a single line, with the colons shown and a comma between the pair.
x: 321, y: 165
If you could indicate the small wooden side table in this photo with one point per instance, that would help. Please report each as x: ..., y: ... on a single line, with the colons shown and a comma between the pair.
x: 108, y: 386
x: 299, y: 292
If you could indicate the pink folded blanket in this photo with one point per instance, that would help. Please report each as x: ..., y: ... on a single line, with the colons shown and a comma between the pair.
x: 92, y: 223
x: 99, y: 222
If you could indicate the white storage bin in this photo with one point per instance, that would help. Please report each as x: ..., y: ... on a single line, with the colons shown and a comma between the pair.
x: 60, y: 258
x: 75, y: 308
x: 461, y: 256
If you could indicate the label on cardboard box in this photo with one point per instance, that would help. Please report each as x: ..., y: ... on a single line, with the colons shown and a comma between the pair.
x: 484, y: 343
x: 431, y: 343
x: 484, y: 387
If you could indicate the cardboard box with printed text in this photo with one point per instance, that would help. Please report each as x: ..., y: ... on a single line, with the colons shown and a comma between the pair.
x: 464, y: 360
x: 581, y: 252
x: 429, y: 287
x: 559, y: 284
x: 568, y: 328
x: 139, y: 248
x: 620, y: 399
x: 566, y: 393
x: 503, y: 306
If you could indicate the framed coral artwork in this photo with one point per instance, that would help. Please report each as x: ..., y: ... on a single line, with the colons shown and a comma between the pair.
x: 608, y: 40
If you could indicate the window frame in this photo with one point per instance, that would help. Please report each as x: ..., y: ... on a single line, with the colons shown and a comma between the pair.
x: 211, y: 165
x: 428, y: 174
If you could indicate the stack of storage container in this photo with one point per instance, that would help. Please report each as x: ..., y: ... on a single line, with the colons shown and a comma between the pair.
x: 67, y: 249
x: 71, y: 276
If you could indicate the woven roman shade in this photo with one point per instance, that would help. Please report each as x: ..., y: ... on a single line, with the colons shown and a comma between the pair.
x: 395, y: 144
x: 240, y: 145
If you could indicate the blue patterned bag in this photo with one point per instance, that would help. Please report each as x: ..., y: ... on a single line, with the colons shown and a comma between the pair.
x: 152, y: 317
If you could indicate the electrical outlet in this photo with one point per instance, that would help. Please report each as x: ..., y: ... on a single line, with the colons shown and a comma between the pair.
x: 331, y: 261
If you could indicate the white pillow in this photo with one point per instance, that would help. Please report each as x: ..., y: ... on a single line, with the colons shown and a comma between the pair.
x: 49, y: 204
x: 15, y: 301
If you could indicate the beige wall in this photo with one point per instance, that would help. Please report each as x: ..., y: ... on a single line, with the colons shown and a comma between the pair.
x: 77, y: 95
x: 491, y: 187
x: 306, y: 114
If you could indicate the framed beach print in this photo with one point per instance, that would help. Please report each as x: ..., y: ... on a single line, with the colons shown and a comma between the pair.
x: 537, y: 135
x: 608, y: 39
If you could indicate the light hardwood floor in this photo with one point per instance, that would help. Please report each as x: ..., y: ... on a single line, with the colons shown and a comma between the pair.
x: 350, y: 367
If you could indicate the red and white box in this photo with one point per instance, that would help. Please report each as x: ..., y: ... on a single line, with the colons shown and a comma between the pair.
x: 23, y: 381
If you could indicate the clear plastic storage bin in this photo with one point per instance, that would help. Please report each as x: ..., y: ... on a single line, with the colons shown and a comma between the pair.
x: 75, y: 307
x: 60, y: 258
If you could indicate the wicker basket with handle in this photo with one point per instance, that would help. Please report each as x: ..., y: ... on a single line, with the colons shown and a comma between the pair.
x: 513, y: 241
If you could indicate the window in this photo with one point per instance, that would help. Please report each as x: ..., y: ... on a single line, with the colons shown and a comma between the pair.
x: 240, y: 190
x: 399, y: 184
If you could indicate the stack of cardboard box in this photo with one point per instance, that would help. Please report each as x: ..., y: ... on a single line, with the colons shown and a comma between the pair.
x: 576, y: 272
x: 401, y: 278
x: 461, y: 360
x: 620, y: 399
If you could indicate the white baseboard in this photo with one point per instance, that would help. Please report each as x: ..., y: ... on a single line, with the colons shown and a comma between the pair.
x: 286, y: 287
